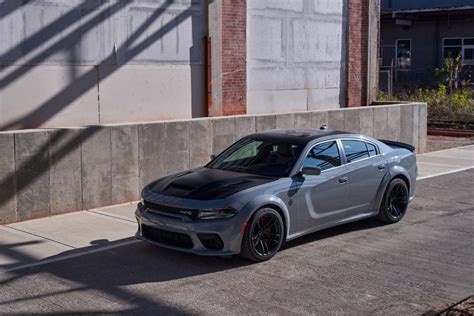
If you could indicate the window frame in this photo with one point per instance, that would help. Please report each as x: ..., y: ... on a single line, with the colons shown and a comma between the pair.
x: 358, y: 140
x: 462, y: 46
x: 396, y: 54
x: 339, y: 150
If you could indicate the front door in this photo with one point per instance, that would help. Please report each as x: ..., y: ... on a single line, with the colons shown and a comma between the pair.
x: 323, y: 198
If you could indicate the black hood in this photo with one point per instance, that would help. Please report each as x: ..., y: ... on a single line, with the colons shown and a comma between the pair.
x: 206, y: 183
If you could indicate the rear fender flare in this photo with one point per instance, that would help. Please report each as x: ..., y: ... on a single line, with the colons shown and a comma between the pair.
x: 389, y: 175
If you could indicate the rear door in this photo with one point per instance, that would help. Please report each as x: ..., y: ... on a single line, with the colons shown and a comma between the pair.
x: 365, y: 170
x: 323, y: 198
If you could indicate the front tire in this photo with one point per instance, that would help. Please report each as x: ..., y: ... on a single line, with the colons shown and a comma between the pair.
x: 395, y: 202
x: 263, y: 235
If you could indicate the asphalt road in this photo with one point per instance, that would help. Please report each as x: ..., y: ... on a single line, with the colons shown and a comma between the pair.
x: 407, y: 268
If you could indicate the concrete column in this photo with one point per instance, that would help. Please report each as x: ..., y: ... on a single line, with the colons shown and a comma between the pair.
x: 228, y: 55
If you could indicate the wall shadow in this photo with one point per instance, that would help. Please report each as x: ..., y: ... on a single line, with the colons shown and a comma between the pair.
x: 126, y: 52
x: 82, y: 83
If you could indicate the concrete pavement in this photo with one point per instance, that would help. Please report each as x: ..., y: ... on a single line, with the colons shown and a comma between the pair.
x: 89, y: 262
x: 445, y: 161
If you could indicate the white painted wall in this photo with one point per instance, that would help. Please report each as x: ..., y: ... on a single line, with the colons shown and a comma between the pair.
x: 295, y: 55
x: 75, y: 62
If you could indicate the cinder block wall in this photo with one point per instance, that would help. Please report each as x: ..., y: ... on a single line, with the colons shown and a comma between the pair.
x: 52, y: 171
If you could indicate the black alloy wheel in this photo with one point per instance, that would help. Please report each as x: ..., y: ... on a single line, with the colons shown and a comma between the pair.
x: 263, y: 235
x: 395, y: 202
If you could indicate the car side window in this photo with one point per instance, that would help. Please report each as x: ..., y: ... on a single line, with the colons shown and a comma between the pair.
x: 372, y: 149
x: 355, y: 150
x: 324, y: 156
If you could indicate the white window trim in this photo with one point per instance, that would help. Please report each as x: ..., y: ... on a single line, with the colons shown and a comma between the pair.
x: 396, y: 53
x: 462, y: 46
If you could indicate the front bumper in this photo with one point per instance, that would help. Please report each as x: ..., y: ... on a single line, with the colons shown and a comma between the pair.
x: 184, y: 230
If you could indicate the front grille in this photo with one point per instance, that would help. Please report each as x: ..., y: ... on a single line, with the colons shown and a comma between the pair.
x: 171, y: 210
x: 167, y: 237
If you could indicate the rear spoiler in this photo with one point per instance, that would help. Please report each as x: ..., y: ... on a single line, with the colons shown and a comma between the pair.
x: 393, y: 143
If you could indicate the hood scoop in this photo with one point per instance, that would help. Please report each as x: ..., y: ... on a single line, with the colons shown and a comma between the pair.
x: 178, y: 188
x: 206, y: 184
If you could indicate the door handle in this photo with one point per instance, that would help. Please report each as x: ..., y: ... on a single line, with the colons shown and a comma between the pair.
x: 381, y: 167
x: 343, y: 180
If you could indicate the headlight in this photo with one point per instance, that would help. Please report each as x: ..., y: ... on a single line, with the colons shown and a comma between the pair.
x: 216, y: 213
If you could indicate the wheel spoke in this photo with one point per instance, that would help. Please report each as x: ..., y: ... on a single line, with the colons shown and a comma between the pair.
x: 266, y: 235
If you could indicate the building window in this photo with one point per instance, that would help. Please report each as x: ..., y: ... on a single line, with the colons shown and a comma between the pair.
x: 464, y: 47
x: 403, y: 49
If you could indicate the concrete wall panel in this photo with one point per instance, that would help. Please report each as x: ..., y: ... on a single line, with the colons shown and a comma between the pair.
x: 302, y: 120
x: 200, y: 142
x: 324, y: 99
x: 96, y: 167
x: 244, y: 125
x: 407, y: 132
x: 151, y: 152
x: 416, y: 121
x: 277, y: 101
x: 223, y: 131
x: 65, y: 170
x: 32, y: 174
x: 366, y: 123
x: 381, y: 122
x: 393, y: 122
x: 124, y: 164
x: 286, y: 120
x: 160, y: 93
x: 7, y: 179
x: 267, y: 42
x: 422, y: 127
x: 352, y: 120
x: 176, y: 146
x: 265, y: 122
x: 336, y: 120
x: 319, y: 118
x: 57, y: 96
x: 296, y: 56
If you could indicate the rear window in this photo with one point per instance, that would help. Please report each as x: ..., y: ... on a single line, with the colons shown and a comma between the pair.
x: 356, y: 150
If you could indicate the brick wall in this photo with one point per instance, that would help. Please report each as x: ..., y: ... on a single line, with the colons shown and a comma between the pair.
x: 233, y: 58
x: 357, y: 49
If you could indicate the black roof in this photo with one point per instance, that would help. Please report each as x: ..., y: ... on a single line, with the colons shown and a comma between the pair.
x: 296, y: 136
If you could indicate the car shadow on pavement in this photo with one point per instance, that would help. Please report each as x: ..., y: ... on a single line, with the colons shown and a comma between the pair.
x: 334, y: 231
x: 113, y: 270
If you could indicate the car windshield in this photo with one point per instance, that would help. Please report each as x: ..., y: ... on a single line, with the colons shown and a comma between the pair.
x: 266, y: 158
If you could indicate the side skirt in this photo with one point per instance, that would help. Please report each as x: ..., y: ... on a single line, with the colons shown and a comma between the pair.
x: 331, y: 224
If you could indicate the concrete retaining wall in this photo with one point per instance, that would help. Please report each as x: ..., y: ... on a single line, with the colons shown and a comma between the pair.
x: 52, y: 171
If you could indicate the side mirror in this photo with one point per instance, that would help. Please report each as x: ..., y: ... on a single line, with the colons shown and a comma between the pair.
x: 213, y: 156
x: 311, y: 171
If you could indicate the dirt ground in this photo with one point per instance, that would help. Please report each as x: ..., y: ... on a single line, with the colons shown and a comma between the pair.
x: 442, y: 142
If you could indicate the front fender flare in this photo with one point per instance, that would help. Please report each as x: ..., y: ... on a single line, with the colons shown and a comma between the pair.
x: 268, y: 200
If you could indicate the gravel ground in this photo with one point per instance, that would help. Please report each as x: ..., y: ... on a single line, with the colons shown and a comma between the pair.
x: 362, y: 268
x: 435, y: 143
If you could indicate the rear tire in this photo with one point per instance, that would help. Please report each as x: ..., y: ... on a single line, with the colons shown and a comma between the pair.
x: 395, y: 202
x: 263, y: 236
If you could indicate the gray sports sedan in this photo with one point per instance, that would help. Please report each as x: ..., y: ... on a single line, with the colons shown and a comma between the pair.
x: 275, y: 186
